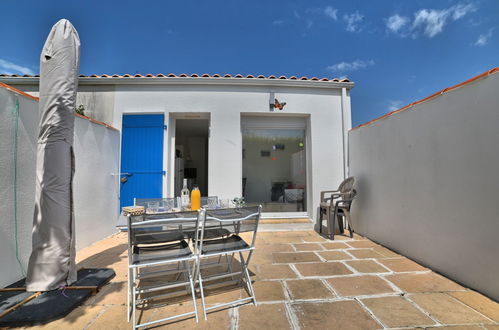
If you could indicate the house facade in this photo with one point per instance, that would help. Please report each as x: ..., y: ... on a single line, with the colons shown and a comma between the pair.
x: 276, y: 141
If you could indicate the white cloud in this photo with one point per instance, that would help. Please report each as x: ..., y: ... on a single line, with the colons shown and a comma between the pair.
x: 396, y: 22
x: 483, y: 39
x: 429, y: 22
x: 278, y: 22
x: 394, y: 105
x: 331, y: 12
x: 12, y: 68
x: 350, y: 66
x: 353, y: 20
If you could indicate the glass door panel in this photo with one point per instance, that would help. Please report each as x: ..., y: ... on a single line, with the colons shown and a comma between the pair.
x: 274, y: 173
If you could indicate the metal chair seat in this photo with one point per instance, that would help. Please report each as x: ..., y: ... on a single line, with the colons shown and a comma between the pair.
x: 231, y: 243
x: 144, y: 254
x: 157, y: 237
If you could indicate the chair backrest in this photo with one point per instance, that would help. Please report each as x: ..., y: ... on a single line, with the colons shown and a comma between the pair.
x: 346, y: 185
x: 161, y: 227
x: 230, y: 221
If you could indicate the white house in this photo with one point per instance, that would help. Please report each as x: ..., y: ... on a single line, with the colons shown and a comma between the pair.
x: 274, y: 140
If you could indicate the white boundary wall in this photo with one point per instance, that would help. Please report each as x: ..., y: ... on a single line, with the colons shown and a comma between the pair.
x: 96, y: 190
x: 428, y: 185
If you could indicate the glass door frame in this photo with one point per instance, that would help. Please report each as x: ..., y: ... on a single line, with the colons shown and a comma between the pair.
x: 306, y: 129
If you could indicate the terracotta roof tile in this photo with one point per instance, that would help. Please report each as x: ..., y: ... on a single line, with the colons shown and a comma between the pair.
x: 194, y: 75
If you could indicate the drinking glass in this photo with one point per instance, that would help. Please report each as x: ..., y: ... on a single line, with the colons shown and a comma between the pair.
x: 212, y: 202
x: 152, y: 207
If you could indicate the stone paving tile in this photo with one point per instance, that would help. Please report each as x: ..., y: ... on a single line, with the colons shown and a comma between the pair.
x: 271, y: 272
x: 386, y: 252
x: 333, y: 315
x: 214, y: 296
x: 430, y: 282
x: 308, y: 247
x: 362, y: 244
x: 491, y: 326
x: 334, y: 245
x: 114, y: 317
x: 294, y: 257
x: 456, y: 327
x: 365, y: 253
x: 334, y: 255
x: 315, y: 238
x: 285, y: 239
x: 478, y: 302
x: 308, y: 289
x: 216, y: 319
x: 367, y: 266
x: 397, y: 312
x: 447, y: 309
x: 277, y: 248
x: 268, y: 316
x: 323, y: 269
x: 359, y: 285
x: 402, y: 265
x: 268, y: 291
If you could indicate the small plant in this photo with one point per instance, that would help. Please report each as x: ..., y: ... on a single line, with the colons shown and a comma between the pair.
x: 80, y: 110
x: 239, y: 201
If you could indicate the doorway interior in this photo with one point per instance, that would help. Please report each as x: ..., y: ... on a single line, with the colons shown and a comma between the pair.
x: 191, y: 154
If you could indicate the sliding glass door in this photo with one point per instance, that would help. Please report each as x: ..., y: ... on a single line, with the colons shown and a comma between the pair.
x: 274, y: 172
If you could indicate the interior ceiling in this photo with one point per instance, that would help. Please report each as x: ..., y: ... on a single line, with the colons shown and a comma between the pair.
x: 192, y: 127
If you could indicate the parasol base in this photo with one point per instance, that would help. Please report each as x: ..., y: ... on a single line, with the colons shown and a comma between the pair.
x: 19, y: 307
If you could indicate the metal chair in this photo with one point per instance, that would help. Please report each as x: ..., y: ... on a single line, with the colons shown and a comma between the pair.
x: 155, y: 243
x: 328, y: 198
x: 210, y: 246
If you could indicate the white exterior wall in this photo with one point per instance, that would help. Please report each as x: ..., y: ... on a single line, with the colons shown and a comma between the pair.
x: 428, y: 186
x: 329, y: 119
x: 96, y: 202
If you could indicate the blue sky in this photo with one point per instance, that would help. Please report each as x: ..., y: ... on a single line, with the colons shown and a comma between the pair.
x: 395, y: 51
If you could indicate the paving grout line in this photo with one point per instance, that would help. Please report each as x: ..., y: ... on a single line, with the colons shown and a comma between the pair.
x: 330, y: 287
x: 292, y: 318
x: 321, y: 258
x: 462, y: 303
x: 234, y: 317
x: 350, y: 268
x: 419, y: 308
x: 297, y: 272
x: 92, y: 321
x: 368, y: 311
x: 392, y: 285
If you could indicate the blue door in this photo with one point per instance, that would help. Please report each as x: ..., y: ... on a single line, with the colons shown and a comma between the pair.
x: 141, y: 157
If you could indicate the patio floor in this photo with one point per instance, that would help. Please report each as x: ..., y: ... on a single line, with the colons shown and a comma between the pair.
x: 303, y: 281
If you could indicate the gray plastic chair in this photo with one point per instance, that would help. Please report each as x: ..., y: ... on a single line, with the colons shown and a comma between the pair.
x: 327, y: 204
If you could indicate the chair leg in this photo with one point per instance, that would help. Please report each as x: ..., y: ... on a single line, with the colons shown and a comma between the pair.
x: 349, y: 220
x: 339, y: 218
x: 201, y: 290
x: 128, y: 295
x: 319, y: 219
x: 134, y: 299
x: 244, y: 265
x: 331, y: 226
x: 193, y: 291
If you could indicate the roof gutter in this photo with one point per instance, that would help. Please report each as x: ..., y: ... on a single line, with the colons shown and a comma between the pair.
x: 191, y: 81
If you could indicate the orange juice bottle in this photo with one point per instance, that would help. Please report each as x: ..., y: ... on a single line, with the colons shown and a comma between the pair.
x: 195, y: 199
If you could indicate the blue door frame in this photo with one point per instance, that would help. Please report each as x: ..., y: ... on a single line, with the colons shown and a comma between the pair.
x: 141, y: 157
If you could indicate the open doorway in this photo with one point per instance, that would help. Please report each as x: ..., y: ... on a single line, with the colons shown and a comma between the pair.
x: 191, y: 154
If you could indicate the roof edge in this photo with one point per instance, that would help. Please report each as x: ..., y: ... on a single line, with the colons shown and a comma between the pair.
x: 19, y: 92
x: 432, y: 96
x: 233, y: 81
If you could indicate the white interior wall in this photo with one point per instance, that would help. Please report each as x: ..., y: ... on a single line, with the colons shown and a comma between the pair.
x: 225, y: 104
x: 96, y: 203
x: 427, y: 183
